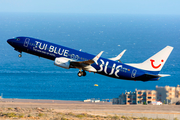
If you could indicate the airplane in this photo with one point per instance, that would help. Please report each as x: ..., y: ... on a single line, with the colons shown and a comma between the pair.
x: 69, y: 58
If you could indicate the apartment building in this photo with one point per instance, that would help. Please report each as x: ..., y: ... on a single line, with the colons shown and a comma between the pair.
x: 168, y: 94
x: 145, y: 96
x: 177, y: 91
x: 137, y: 97
x: 165, y: 94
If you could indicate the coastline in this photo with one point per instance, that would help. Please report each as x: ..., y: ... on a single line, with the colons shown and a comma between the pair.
x: 95, y: 109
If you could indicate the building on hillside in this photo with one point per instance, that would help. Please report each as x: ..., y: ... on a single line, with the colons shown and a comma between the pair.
x: 168, y: 94
x: 137, y: 97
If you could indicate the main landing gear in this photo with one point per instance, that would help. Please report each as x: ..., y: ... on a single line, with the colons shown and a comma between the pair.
x: 81, y: 73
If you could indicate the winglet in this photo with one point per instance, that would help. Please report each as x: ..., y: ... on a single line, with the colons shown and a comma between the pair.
x: 119, y: 56
x: 95, y: 59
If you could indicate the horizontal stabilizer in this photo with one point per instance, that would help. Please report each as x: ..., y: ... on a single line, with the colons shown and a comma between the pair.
x: 156, y: 76
x: 164, y: 75
x: 118, y: 57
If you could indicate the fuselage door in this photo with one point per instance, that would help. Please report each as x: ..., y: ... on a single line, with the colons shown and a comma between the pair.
x: 26, y: 42
x: 133, y: 75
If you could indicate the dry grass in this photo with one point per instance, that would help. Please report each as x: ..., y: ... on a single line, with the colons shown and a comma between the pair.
x: 50, y: 114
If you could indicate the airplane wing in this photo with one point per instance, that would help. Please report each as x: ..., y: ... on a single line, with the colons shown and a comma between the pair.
x: 118, y: 57
x: 86, y: 65
x: 89, y: 62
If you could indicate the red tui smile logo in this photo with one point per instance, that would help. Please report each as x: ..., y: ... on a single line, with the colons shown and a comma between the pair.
x: 152, y: 63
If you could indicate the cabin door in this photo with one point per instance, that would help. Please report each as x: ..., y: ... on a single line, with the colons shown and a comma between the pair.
x: 26, y: 42
x: 133, y: 75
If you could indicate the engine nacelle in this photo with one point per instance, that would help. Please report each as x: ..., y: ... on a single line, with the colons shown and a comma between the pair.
x: 62, y: 62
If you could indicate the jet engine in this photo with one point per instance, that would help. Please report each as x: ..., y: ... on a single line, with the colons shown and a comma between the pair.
x: 62, y: 62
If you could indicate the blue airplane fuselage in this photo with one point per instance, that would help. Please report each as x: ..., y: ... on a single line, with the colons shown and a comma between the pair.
x: 105, y: 66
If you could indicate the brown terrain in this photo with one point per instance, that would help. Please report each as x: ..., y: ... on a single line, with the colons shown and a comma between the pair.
x: 76, y: 110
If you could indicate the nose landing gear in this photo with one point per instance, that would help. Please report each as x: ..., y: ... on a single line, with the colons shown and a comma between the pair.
x: 20, y: 55
x: 81, y: 73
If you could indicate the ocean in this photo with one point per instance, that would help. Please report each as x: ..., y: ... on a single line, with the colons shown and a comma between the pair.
x: 31, y: 77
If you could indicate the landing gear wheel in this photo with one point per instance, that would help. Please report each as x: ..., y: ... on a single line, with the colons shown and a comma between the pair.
x: 84, y: 73
x: 80, y: 74
x: 20, y: 55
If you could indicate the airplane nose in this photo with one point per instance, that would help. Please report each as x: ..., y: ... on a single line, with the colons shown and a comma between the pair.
x: 10, y: 41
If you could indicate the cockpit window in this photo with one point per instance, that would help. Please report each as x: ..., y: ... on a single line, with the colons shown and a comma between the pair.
x: 17, y: 39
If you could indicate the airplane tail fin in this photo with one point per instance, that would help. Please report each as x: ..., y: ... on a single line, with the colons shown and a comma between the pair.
x: 156, y: 62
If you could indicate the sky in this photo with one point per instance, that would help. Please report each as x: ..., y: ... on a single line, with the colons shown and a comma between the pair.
x: 170, y: 7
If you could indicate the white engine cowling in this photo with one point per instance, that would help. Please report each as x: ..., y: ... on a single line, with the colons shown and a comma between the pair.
x: 62, y: 62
